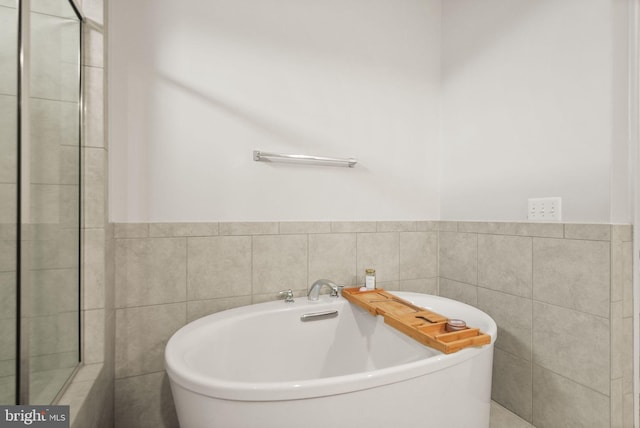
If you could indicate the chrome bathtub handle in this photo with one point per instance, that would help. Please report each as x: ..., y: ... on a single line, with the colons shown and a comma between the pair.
x: 338, y: 291
x: 317, y: 316
x: 287, y: 294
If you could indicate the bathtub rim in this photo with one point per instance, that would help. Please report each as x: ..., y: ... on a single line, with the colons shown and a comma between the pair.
x: 310, y: 388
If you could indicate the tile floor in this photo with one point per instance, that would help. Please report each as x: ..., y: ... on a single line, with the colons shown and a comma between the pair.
x: 502, y: 418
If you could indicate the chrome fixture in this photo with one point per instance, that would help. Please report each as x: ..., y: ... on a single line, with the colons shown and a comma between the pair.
x: 317, y: 316
x: 314, y: 292
x: 264, y: 156
x: 288, y: 295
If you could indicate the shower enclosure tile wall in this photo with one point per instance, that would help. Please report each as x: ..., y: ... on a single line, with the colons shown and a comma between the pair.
x: 91, y: 394
x: 8, y: 211
x: 46, y: 152
x: 558, y: 292
x: 50, y: 194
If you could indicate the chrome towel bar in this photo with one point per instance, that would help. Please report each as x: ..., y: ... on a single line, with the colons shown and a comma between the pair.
x: 264, y: 156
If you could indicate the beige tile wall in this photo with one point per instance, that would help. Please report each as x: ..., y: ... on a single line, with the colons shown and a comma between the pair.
x: 91, y: 395
x: 170, y: 274
x: 559, y: 294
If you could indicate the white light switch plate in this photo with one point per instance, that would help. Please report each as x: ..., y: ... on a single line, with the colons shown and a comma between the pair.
x: 545, y: 209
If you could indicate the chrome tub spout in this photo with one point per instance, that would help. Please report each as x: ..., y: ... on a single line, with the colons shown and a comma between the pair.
x: 314, y: 292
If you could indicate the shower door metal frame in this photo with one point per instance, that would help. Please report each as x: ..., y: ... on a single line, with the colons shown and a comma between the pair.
x: 23, y: 276
x: 634, y: 164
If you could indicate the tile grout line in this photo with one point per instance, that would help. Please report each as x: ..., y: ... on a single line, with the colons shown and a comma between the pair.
x: 438, y: 263
x: 398, y: 267
x: 308, y: 264
x: 611, y: 330
x: 532, y: 329
x: 477, y: 266
x: 571, y: 380
x: 186, y: 280
x: 252, y: 275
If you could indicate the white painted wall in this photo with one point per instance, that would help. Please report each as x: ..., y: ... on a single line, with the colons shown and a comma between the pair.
x: 460, y: 111
x: 534, y: 105
x: 195, y: 86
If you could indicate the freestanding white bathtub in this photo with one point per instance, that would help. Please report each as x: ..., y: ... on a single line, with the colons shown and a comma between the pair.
x: 261, y: 366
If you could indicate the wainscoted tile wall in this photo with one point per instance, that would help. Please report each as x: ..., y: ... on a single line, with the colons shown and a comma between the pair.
x: 561, y: 295
x: 170, y: 274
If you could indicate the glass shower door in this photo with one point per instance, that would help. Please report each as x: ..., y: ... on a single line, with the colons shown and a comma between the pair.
x: 51, y: 199
x: 40, y: 45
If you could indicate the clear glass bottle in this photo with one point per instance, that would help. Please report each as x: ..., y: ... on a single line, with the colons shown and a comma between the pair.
x: 370, y: 279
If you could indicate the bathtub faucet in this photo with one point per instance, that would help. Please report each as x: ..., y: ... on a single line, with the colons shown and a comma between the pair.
x: 287, y: 295
x: 314, y: 292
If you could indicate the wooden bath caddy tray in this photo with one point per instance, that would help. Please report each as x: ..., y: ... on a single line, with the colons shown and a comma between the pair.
x: 428, y: 328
